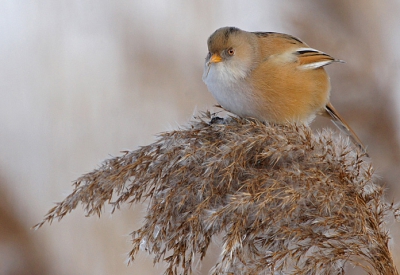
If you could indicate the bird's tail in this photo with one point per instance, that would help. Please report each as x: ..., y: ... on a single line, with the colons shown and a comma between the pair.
x: 344, y: 127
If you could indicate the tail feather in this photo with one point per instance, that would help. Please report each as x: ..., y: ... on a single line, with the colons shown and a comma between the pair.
x: 344, y: 127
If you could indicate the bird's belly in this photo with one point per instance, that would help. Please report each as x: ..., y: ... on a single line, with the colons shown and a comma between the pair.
x: 286, y: 102
x: 242, y: 100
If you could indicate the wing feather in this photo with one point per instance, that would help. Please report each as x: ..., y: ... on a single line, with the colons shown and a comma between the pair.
x: 310, y: 58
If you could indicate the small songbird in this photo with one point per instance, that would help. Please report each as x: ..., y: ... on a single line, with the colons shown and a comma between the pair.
x: 272, y: 77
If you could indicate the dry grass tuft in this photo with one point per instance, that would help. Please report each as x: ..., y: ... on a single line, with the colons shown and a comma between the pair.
x: 284, y: 200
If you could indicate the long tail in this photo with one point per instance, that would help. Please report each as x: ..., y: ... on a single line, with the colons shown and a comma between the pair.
x: 344, y: 127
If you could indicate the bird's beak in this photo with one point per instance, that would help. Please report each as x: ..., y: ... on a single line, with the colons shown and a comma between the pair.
x: 215, y: 58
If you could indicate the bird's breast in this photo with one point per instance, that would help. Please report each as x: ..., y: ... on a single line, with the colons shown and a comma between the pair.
x: 232, y: 91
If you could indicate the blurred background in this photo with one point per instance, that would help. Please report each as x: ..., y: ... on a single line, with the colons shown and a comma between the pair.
x: 81, y: 81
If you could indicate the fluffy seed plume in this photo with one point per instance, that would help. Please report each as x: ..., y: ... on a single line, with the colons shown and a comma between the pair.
x: 283, y: 200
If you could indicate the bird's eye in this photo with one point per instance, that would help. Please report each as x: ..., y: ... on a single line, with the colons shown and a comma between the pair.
x: 230, y: 51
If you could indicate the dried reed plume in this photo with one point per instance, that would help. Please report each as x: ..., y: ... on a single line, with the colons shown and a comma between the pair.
x: 283, y: 200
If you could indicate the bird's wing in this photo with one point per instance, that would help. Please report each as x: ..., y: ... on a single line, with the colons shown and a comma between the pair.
x: 291, y: 49
x: 310, y: 58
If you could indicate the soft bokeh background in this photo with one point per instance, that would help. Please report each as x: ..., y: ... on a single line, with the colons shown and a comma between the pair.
x: 83, y: 80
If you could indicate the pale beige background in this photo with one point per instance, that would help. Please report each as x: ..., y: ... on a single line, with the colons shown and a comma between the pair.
x: 83, y: 80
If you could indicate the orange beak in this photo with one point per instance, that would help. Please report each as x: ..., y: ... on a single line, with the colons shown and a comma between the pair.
x: 215, y: 58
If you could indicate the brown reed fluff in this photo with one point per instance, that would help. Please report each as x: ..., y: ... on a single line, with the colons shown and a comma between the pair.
x: 284, y: 200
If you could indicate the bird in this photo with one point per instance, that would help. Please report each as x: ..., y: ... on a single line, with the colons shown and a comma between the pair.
x: 273, y: 77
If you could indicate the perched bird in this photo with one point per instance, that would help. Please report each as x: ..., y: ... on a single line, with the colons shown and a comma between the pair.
x: 273, y: 77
